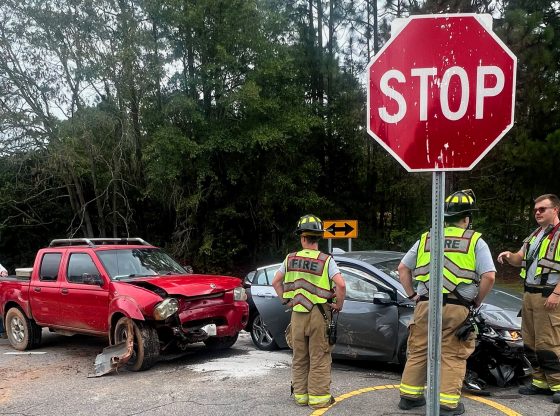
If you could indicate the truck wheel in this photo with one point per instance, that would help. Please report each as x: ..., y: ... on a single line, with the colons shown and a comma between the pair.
x: 220, y: 343
x: 146, y: 344
x: 23, y: 333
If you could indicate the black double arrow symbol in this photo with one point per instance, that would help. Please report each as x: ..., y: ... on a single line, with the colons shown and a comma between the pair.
x: 333, y: 229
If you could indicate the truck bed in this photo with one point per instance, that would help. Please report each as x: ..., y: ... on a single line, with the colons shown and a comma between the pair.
x: 14, y: 277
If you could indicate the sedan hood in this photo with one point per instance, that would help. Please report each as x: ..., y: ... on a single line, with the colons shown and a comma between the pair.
x: 497, y: 317
x: 190, y: 285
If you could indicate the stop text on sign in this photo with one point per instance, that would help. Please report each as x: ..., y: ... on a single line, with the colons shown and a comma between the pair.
x: 453, y: 73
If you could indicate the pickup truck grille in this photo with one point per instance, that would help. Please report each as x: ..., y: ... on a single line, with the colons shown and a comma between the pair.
x: 201, y: 301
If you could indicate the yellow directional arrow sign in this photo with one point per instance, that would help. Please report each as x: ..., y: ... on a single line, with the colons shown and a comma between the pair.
x: 340, y: 228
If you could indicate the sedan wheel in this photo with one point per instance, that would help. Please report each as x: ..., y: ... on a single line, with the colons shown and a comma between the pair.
x: 261, y: 336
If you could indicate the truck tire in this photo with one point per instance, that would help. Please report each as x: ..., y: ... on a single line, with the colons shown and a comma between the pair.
x: 220, y: 343
x: 23, y: 333
x: 146, y: 344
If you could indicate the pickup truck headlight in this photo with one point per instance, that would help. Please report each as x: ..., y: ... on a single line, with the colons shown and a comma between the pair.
x: 239, y: 294
x: 165, y: 309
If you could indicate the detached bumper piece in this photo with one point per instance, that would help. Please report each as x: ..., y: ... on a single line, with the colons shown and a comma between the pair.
x: 115, y: 356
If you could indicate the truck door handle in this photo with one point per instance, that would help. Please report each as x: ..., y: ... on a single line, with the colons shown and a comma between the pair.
x: 37, y: 289
x: 64, y: 290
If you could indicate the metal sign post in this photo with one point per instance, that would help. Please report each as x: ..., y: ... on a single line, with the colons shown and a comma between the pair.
x: 436, y: 293
x: 441, y: 94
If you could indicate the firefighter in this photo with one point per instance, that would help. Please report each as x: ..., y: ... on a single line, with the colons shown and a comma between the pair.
x: 539, y: 259
x: 468, y: 276
x: 310, y: 283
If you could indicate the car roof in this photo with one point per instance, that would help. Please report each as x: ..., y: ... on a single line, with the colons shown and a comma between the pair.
x: 373, y: 256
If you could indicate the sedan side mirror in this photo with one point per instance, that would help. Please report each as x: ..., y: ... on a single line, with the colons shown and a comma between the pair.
x: 382, y: 298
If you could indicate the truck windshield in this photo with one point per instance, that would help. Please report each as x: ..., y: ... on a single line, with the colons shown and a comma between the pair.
x: 138, y: 262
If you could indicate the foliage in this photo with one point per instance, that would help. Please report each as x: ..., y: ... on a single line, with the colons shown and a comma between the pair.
x: 208, y: 127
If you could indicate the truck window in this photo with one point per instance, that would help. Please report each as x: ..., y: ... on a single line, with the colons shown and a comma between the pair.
x: 50, y: 264
x: 80, y: 264
x: 131, y: 263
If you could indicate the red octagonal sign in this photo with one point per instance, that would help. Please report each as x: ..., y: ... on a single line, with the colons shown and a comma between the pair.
x: 441, y: 92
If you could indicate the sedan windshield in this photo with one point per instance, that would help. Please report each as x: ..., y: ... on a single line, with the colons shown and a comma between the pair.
x: 138, y: 262
x: 390, y: 267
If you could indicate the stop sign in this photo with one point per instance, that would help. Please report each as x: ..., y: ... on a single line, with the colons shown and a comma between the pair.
x: 441, y: 91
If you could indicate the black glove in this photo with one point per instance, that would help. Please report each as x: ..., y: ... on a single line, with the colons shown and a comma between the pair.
x: 468, y: 327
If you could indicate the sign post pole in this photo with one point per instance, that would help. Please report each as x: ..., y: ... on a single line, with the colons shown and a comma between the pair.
x: 436, y: 293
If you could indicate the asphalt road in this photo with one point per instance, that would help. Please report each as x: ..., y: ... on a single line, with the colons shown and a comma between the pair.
x: 240, y: 381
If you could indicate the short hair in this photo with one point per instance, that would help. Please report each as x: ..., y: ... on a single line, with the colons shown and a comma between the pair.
x: 312, y: 238
x: 552, y: 197
x: 456, y: 219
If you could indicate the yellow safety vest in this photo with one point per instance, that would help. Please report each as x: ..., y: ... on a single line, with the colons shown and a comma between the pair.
x: 459, y: 263
x: 307, y: 279
x: 548, y: 257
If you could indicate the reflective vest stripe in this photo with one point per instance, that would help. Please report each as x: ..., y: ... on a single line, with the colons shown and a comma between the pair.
x: 452, y: 267
x: 300, y: 299
x: 419, y: 271
x: 458, y: 271
x: 312, y: 289
x: 552, y: 265
x: 548, y: 256
x: 552, y: 246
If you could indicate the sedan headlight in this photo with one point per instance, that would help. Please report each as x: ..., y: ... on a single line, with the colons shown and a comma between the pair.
x: 165, y: 309
x: 239, y: 294
x: 511, y: 335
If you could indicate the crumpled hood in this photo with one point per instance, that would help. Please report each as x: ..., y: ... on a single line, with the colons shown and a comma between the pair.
x: 192, y: 284
x: 498, y: 317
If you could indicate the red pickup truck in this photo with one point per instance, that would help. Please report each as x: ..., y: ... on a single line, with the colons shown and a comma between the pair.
x: 96, y: 286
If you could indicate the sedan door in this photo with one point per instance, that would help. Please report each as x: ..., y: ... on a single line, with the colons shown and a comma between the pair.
x: 275, y: 315
x: 365, y: 329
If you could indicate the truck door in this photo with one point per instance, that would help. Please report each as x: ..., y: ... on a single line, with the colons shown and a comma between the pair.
x: 84, y: 295
x: 44, y: 288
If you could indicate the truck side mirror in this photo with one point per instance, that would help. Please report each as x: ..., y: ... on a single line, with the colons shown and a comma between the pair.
x: 92, y: 279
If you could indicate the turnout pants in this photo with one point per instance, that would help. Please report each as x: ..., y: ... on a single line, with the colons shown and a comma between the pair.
x: 454, y: 354
x: 540, y: 330
x: 311, y: 363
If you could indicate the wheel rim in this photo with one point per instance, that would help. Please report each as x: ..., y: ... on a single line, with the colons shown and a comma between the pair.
x: 261, y: 332
x: 18, y: 329
x: 122, y: 335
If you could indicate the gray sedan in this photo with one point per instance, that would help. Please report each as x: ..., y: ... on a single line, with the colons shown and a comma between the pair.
x: 373, y: 323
